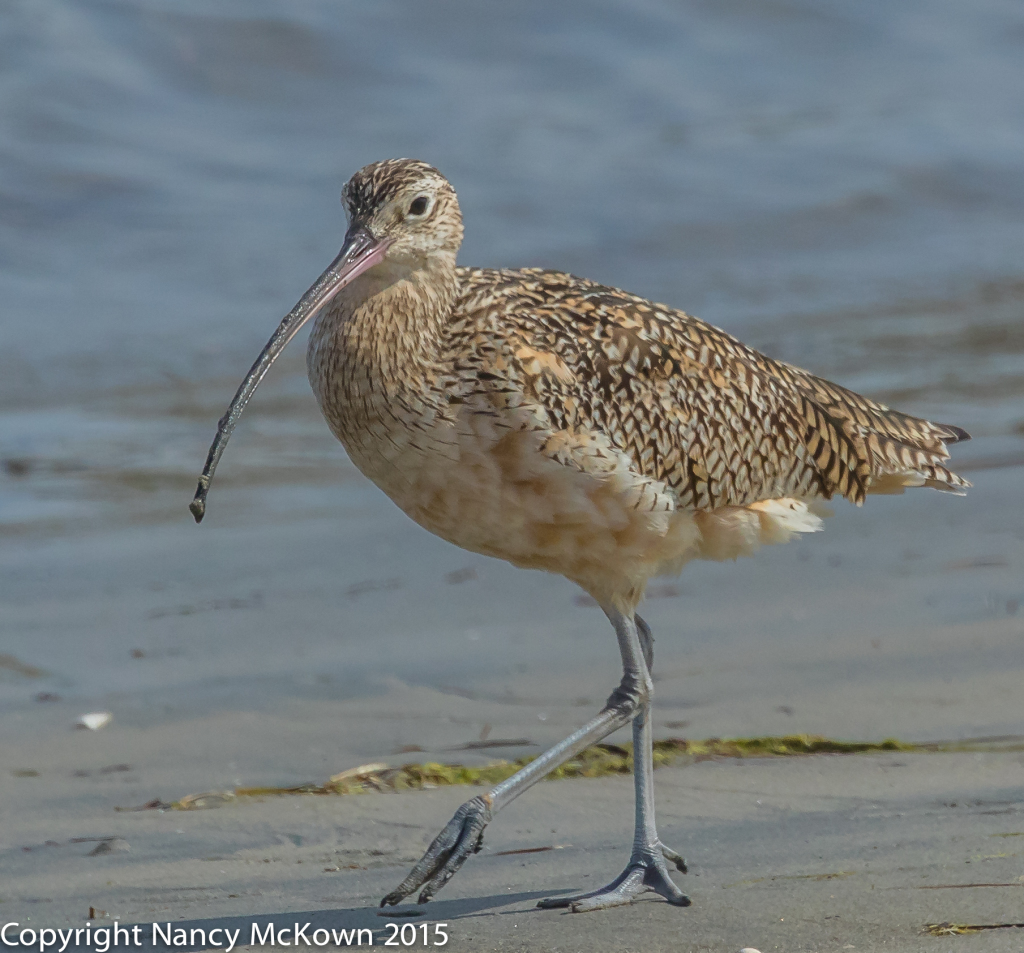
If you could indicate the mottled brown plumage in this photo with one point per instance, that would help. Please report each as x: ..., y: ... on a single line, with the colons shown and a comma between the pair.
x: 718, y: 422
x: 568, y: 426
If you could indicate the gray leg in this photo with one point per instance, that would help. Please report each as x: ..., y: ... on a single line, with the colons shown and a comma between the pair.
x: 646, y: 870
x: 464, y: 833
x: 643, y: 630
x: 647, y: 644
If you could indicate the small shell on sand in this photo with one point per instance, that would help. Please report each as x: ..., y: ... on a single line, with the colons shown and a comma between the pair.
x: 362, y: 770
x: 749, y: 949
x: 204, y: 801
x: 94, y: 720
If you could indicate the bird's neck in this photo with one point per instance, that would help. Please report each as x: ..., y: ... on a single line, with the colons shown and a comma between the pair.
x: 378, y: 344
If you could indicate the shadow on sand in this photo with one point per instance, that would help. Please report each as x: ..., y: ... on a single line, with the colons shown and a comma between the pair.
x: 353, y: 926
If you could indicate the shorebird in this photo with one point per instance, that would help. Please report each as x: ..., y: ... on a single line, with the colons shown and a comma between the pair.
x: 563, y: 425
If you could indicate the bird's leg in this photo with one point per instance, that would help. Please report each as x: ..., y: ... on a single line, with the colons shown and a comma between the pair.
x: 463, y: 834
x: 643, y: 630
x: 647, y: 644
x: 646, y: 870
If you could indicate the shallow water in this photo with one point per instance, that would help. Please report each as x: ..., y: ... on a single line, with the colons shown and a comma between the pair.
x: 840, y: 185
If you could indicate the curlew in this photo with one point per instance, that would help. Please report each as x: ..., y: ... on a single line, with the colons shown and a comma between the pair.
x: 567, y: 426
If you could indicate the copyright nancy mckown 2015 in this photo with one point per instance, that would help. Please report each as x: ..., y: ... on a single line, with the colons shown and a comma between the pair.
x: 97, y: 939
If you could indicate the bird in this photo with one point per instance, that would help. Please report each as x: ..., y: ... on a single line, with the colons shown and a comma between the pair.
x: 568, y: 426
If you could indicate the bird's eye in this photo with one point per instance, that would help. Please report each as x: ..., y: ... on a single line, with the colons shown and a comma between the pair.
x: 418, y: 206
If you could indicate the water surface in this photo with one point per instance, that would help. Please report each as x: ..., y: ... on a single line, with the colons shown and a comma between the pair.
x: 841, y: 185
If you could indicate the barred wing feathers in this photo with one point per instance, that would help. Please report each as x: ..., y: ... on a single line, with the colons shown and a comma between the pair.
x: 716, y: 421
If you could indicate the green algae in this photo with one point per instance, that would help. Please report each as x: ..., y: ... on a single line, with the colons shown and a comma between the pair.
x: 950, y: 929
x: 963, y: 929
x: 598, y: 761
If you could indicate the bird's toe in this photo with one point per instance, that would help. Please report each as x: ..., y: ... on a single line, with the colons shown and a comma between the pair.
x: 463, y: 835
x: 645, y: 874
x: 673, y: 858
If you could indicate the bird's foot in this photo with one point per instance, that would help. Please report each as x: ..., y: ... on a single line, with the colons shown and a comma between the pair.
x: 462, y: 836
x: 647, y: 872
x: 673, y: 858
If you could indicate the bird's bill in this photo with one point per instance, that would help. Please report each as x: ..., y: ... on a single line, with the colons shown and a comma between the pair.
x: 360, y: 252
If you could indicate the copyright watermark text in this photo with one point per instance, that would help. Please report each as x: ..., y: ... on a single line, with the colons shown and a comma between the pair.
x: 104, y: 939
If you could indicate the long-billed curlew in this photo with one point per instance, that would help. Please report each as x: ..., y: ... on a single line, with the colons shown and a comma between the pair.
x: 564, y: 425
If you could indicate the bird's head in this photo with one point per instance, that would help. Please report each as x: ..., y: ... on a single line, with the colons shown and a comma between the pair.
x: 406, y: 206
x: 403, y: 217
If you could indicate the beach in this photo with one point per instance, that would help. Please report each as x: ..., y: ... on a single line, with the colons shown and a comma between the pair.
x: 839, y: 188
x: 251, y: 656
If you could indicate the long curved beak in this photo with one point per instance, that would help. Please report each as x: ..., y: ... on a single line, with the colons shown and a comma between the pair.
x: 360, y: 252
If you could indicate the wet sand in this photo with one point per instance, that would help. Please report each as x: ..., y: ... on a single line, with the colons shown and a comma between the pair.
x: 285, y: 649
x: 815, y: 853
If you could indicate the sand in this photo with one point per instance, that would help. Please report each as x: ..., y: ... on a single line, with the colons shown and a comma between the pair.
x: 277, y: 646
x: 817, y: 853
